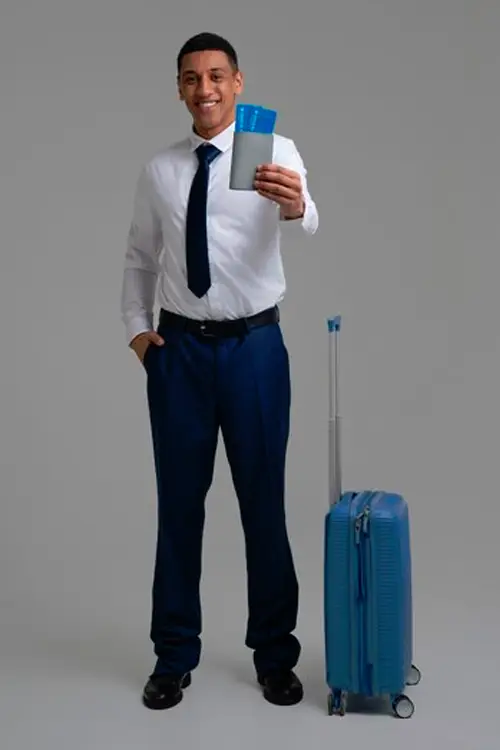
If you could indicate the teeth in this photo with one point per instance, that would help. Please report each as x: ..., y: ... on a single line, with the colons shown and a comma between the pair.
x: 207, y: 105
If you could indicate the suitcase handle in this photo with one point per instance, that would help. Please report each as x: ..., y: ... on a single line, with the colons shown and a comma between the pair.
x: 334, y: 457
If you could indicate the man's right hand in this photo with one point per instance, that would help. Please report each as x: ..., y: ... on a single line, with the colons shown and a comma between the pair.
x: 143, y: 340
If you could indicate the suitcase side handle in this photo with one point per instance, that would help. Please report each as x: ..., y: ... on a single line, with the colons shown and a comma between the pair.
x: 334, y: 467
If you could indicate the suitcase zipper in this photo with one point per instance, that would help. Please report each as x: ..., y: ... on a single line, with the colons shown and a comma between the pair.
x: 361, y: 530
x: 368, y: 600
x: 360, y: 608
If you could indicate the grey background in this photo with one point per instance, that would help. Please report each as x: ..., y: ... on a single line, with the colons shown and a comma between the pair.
x: 395, y: 107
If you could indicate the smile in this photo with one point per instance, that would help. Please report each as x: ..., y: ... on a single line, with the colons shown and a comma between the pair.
x: 207, y: 105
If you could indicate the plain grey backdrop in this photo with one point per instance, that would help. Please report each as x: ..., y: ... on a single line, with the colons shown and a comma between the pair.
x: 395, y: 107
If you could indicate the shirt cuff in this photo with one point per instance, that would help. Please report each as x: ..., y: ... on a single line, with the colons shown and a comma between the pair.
x: 309, y: 221
x: 137, y: 325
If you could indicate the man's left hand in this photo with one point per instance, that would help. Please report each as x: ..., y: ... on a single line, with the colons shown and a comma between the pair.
x: 283, y: 186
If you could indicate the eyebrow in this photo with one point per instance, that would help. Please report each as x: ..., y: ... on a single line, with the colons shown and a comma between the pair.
x: 212, y: 70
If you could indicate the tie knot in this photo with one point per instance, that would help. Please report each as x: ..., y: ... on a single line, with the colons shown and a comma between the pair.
x: 206, y: 153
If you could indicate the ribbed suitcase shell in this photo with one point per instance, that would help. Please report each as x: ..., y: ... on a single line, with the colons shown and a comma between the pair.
x: 368, y: 596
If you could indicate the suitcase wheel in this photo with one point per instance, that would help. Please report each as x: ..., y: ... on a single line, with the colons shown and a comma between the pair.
x: 337, y: 701
x: 403, y: 707
x: 415, y: 676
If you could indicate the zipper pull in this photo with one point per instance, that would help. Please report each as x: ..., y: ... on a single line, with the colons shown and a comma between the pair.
x: 357, y: 530
x: 366, y: 518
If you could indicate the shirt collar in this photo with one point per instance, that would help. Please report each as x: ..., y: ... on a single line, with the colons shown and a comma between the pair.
x: 222, y: 141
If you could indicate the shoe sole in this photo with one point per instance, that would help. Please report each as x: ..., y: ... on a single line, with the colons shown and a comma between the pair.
x: 292, y: 701
x: 162, y: 705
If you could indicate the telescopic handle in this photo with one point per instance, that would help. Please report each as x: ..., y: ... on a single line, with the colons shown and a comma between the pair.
x: 335, y: 473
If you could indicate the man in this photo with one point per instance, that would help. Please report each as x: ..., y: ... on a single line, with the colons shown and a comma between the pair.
x: 216, y: 361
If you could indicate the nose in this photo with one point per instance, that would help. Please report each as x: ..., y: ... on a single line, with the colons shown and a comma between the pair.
x: 205, y: 86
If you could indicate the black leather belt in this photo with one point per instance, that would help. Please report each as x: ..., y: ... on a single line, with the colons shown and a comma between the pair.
x: 218, y: 328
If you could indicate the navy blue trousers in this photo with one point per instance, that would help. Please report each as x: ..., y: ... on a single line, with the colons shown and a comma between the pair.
x: 239, y: 387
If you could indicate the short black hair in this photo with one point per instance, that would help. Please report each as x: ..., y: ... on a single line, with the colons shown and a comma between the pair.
x: 207, y: 41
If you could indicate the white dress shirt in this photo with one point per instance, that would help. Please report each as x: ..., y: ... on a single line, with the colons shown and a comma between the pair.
x: 243, y: 231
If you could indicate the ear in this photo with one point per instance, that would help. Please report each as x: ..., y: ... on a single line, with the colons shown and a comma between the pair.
x: 179, y: 92
x: 239, y: 81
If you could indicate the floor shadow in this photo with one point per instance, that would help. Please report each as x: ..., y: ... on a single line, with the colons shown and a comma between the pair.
x: 358, y: 704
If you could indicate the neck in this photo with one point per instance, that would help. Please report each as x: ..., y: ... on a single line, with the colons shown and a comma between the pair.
x: 210, y: 133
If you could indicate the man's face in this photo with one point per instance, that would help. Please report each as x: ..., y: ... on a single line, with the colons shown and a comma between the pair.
x: 209, y: 85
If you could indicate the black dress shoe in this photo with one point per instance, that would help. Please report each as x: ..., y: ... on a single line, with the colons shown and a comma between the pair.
x: 283, y: 688
x: 164, y: 691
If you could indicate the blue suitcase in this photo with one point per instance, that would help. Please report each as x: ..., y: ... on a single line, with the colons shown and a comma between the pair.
x: 368, y: 618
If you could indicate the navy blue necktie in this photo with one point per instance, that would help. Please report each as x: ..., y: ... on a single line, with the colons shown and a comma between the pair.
x: 198, y: 270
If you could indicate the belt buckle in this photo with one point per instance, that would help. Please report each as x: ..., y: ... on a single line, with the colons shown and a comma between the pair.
x: 204, y: 332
